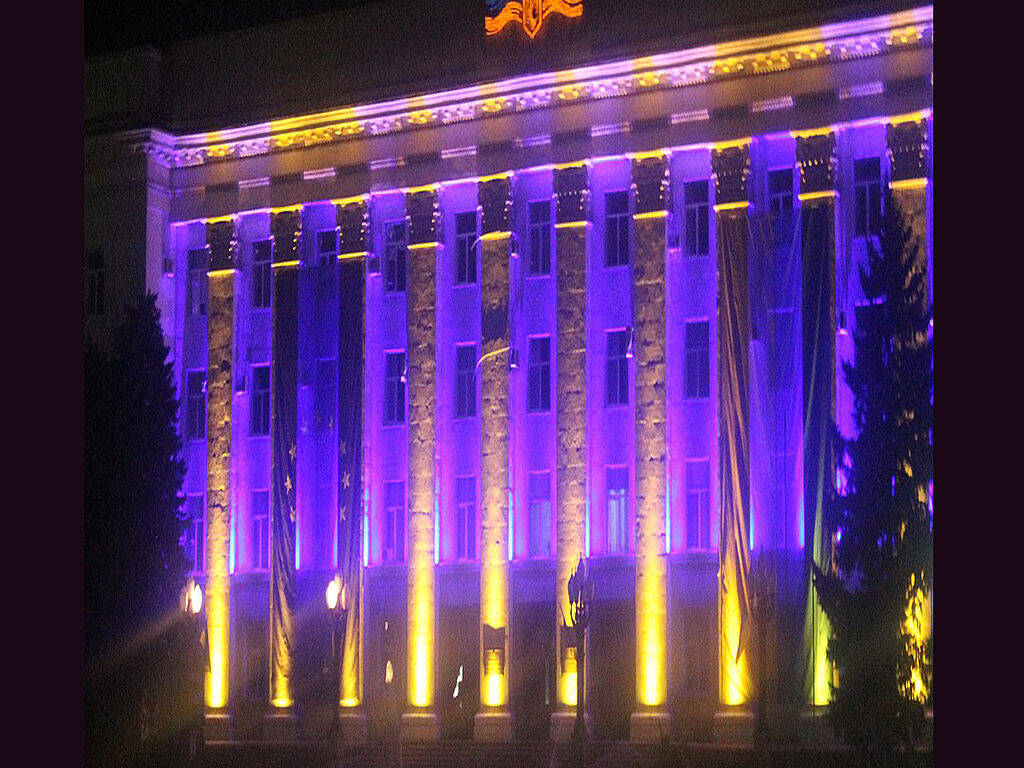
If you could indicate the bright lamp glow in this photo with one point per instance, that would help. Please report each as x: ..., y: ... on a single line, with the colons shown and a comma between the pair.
x: 333, y: 593
x: 196, y: 599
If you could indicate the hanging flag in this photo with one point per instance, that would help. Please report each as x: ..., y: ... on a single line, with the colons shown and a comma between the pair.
x: 529, y: 14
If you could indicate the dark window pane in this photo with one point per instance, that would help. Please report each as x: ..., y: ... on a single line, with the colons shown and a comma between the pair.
x: 696, y: 372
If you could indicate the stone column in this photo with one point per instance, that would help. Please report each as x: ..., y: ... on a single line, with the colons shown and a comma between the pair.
x: 220, y: 242
x: 419, y: 722
x: 572, y: 241
x: 493, y: 722
x: 731, y: 165
x: 650, y: 719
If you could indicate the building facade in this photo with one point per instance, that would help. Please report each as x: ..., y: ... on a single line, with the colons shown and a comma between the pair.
x: 448, y: 342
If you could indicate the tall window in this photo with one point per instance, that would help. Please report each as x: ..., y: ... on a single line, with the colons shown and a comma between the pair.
x: 195, y: 532
x: 259, y: 403
x: 465, y: 517
x: 867, y: 183
x: 326, y: 246
x: 695, y: 200
x: 465, y: 248
x: 617, y: 494
x: 616, y: 228
x: 394, y: 522
x: 780, y: 191
x: 325, y: 398
x: 396, y: 242
x: 196, y: 295
x: 539, y: 395
x: 261, y: 530
x: 262, y: 252
x: 697, y: 374
x: 616, y: 390
x: 94, y: 280
x: 540, y: 514
x: 465, y: 381
x: 394, y: 388
x: 540, y: 237
x: 698, y: 504
x: 783, y: 343
x: 195, y: 419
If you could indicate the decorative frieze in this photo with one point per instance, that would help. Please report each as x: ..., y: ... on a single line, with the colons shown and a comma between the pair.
x: 353, y: 226
x: 730, y: 166
x: 572, y: 188
x: 422, y: 210
x: 495, y: 200
x: 651, y: 184
x: 816, y: 158
x: 908, y: 150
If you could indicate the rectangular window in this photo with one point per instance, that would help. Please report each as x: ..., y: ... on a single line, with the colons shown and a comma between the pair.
x: 465, y: 517
x: 617, y: 494
x: 540, y: 237
x: 783, y: 343
x: 195, y: 532
x: 325, y: 400
x: 867, y: 182
x: 94, y: 279
x: 262, y: 257
x: 697, y: 374
x: 540, y: 514
x: 195, y: 421
x: 394, y: 388
x: 616, y: 228
x: 261, y: 530
x: 698, y: 504
x: 616, y: 390
x: 196, y: 295
x: 396, y: 242
x: 465, y: 248
x: 539, y: 395
x: 326, y: 246
x: 465, y: 381
x: 259, y: 402
x: 394, y: 523
x: 695, y: 200
x: 780, y: 191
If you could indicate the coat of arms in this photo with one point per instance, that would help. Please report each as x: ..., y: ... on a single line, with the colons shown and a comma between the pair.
x: 528, y: 13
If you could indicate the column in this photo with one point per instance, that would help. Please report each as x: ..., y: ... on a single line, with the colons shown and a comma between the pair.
x: 815, y: 155
x: 572, y: 236
x: 493, y: 722
x: 730, y: 165
x: 650, y: 719
x: 285, y: 227
x: 220, y: 242
x: 419, y: 721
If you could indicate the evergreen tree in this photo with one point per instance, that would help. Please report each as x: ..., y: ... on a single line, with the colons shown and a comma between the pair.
x: 883, y: 522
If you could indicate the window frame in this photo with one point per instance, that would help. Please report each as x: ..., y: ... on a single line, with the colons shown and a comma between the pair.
x: 693, y: 380
x: 620, y: 361
x: 259, y: 401
x: 779, y: 202
x: 540, y: 238
x: 464, y: 405
x: 197, y: 280
x: 392, y: 548
x: 260, y: 544
x: 195, y: 428
x: 620, y: 223
x: 396, y: 256
x: 702, y: 514
x: 465, y: 519
x: 698, y: 243
x: 466, y: 272
x: 863, y: 190
x: 262, y: 271
x: 617, y: 495
x: 544, y: 525
x: 540, y: 371
x: 394, y: 414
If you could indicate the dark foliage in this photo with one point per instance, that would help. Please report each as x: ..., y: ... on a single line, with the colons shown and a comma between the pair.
x: 883, y: 554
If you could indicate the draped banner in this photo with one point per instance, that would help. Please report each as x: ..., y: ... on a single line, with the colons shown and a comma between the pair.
x: 351, y: 292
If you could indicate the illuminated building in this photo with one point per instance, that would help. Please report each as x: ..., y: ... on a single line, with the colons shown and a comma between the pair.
x: 569, y: 292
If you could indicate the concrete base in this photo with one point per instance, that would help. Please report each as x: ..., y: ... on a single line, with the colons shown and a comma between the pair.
x: 563, y: 723
x: 280, y: 725
x: 218, y: 726
x: 649, y: 726
x: 355, y: 728
x: 419, y: 726
x: 733, y: 726
x: 492, y: 726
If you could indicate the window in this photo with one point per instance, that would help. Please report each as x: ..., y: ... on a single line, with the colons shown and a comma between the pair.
x: 194, y: 537
x: 259, y: 403
x: 870, y: 346
x: 465, y: 517
x: 394, y: 523
x: 262, y: 252
x: 540, y: 514
x: 195, y: 417
x: 867, y: 182
x: 616, y: 228
x: 780, y: 191
x: 783, y: 343
x: 465, y: 248
x: 616, y: 390
x: 695, y: 200
x: 325, y: 398
x: 465, y: 381
x: 617, y: 488
x: 540, y: 237
x: 697, y: 374
x: 326, y: 246
x: 94, y: 282
x: 196, y: 297
x: 539, y: 395
x: 394, y: 388
x: 394, y: 256
x: 698, y: 504
x: 261, y: 530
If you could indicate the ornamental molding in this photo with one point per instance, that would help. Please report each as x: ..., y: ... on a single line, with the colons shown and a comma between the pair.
x: 815, y: 156
x: 651, y: 184
x: 908, y: 149
x: 750, y: 57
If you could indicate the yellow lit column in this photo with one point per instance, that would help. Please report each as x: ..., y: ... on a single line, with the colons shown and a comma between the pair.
x: 650, y: 720
x: 730, y: 165
x: 572, y: 235
x: 220, y: 241
x: 493, y: 722
x: 419, y: 722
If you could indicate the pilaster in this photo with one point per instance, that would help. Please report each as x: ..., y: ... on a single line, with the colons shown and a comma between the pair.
x: 909, y: 173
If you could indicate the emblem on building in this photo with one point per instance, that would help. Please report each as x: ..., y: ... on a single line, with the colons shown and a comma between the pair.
x: 530, y: 14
